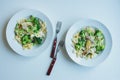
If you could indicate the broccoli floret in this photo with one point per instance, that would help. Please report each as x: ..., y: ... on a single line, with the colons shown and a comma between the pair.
x: 77, y: 46
x: 36, y: 23
x: 25, y: 39
x: 100, y: 48
x: 37, y: 40
x: 98, y: 33
x: 82, y: 33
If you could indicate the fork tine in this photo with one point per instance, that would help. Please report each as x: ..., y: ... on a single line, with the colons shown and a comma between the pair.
x: 61, y: 43
x: 59, y: 23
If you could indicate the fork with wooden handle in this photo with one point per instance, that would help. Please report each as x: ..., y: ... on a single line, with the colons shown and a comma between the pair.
x: 61, y: 44
x: 58, y: 27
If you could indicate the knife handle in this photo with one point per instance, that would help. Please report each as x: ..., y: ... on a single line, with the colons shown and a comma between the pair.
x: 51, y: 66
x: 53, y: 48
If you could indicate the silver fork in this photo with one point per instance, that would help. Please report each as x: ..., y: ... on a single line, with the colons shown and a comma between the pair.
x: 58, y: 27
x: 61, y: 44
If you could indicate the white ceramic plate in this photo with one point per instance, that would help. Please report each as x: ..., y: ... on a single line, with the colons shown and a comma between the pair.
x: 11, y: 36
x: 77, y: 27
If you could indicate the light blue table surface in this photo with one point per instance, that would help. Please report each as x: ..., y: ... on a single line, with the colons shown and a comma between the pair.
x: 16, y: 67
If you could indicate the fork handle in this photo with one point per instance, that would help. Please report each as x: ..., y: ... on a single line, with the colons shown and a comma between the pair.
x: 51, y: 66
x: 53, y: 48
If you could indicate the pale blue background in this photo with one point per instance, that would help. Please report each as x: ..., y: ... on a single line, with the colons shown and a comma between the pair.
x: 15, y: 67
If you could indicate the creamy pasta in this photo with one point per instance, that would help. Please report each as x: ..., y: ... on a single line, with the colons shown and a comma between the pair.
x: 88, y: 43
x: 30, y: 31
